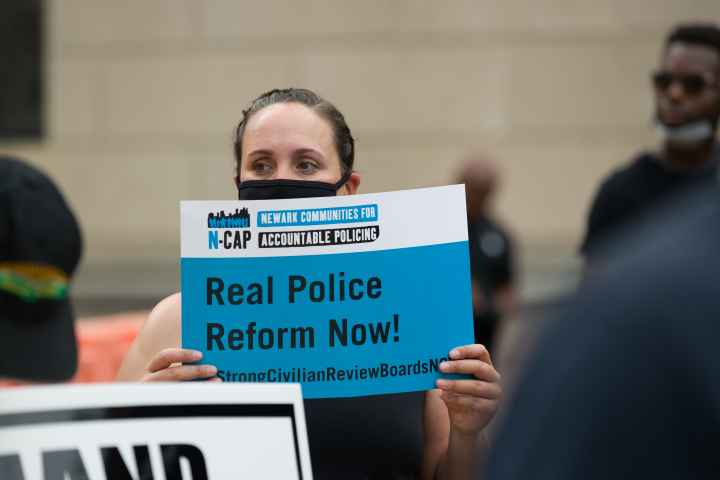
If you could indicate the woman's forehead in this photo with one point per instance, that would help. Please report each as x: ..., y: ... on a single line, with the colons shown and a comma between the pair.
x: 287, y: 123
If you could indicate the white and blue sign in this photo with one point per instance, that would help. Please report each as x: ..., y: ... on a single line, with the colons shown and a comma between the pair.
x: 175, y: 431
x: 349, y: 295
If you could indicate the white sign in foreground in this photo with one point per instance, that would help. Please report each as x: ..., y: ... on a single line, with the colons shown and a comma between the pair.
x: 193, y: 431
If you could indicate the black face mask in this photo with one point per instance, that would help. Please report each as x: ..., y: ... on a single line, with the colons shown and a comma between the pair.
x: 283, y: 189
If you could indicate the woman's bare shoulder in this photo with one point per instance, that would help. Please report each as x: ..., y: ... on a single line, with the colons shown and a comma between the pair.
x: 162, y: 327
x: 161, y: 330
x: 167, y: 307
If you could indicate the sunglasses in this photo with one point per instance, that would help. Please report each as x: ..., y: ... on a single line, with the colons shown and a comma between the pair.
x: 692, y: 84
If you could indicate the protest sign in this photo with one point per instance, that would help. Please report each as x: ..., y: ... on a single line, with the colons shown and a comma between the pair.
x: 171, y: 432
x: 349, y: 295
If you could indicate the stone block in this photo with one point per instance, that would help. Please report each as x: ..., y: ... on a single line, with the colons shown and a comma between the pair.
x: 581, y: 85
x: 92, y: 23
x: 190, y: 95
x: 413, y: 90
x: 74, y: 98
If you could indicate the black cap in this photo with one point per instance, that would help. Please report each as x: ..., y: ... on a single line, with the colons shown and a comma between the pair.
x: 40, y: 247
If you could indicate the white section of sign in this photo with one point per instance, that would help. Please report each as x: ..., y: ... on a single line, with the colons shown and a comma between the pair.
x: 232, y: 445
x: 270, y: 454
x: 29, y: 399
x: 409, y: 218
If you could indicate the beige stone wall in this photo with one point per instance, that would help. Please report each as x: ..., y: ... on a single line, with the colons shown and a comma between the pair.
x: 143, y: 95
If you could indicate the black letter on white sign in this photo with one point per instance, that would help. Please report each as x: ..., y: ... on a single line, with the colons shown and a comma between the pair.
x: 115, y: 468
x: 172, y: 454
x: 63, y: 465
x: 10, y: 468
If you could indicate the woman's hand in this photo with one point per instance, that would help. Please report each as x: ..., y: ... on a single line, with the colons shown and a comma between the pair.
x: 167, y: 366
x: 471, y: 403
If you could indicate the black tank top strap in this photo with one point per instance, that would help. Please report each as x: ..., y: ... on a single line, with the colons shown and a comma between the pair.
x: 378, y: 437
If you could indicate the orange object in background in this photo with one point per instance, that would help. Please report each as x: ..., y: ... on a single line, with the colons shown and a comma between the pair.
x: 103, y: 343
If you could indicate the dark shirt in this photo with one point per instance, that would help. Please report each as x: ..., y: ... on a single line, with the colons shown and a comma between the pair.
x: 373, y: 438
x: 491, y: 267
x: 632, y: 193
x: 626, y: 382
x: 491, y: 254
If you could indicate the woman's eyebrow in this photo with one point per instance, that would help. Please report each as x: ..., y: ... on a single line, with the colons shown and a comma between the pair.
x: 300, y: 151
x: 259, y: 152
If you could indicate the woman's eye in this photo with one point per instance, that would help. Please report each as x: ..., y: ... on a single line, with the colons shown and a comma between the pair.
x: 307, y: 166
x: 261, y: 167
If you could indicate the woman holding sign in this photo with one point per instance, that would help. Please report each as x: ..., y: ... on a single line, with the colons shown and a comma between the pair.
x: 292, y: 144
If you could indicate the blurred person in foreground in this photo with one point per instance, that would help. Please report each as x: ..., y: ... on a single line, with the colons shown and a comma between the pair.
x: 40, y: 247
x: 625, y: 382
x: 687, y: 103
x: 492, y: 257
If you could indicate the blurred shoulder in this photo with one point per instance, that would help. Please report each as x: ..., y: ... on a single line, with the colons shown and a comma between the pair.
x: 630, y: 172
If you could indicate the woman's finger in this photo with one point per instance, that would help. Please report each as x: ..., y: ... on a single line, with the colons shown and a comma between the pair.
x: 167, y: 357
x: 183, y: 373
x: 464, y: 402
x: 475, y: 350
x: 477, y: 368
x: 474, y: 388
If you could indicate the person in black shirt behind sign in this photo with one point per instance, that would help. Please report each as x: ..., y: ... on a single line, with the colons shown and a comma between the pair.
x: 491, y: 250
x: 687, y: 99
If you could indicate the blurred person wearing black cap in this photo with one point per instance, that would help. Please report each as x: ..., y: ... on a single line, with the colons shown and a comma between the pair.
x: 625, y: 380
x: 687, y: 102
x: 40, y: 247
x: 492, y: 256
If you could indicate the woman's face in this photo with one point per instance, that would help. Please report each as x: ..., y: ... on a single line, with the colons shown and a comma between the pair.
x: 291, y: 141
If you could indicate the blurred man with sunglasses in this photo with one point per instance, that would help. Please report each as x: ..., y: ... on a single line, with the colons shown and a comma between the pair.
x: 687, y: 102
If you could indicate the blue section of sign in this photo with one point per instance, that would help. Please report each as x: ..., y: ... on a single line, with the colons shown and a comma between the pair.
x: 341, y: 324
x: 318, y: 216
